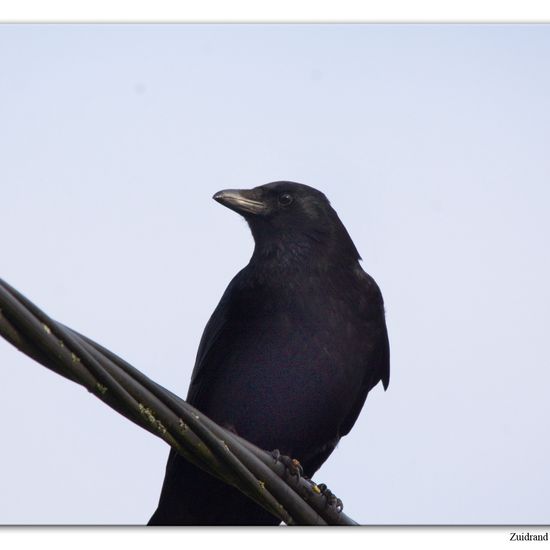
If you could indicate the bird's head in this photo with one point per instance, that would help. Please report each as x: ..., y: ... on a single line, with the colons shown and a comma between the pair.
x: 285, y: 216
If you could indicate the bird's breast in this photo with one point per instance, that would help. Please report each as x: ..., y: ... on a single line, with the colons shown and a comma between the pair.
x: 290, y: 368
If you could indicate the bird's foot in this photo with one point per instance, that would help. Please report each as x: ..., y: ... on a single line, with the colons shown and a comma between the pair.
x: 292, y: 465
x: 230, y: 427
x: 331, y: 498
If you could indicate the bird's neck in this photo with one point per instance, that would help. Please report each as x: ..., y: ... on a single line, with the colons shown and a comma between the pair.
x: 297, y: 254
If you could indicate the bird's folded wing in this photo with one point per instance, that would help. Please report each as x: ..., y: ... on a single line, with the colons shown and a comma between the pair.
x: 377, y: 369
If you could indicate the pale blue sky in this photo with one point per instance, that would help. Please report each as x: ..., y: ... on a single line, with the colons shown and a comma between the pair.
x: 431, y: 142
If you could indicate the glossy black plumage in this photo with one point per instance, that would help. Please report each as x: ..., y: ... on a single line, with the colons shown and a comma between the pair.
x: 290, y: 353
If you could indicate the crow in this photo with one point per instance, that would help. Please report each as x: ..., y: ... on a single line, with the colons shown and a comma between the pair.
x: 290, y: 353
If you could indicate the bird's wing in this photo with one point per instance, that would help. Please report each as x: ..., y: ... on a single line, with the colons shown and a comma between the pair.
x: 377, y: 361
x: 205, y: 364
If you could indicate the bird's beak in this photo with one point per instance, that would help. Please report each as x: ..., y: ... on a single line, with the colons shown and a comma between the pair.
x: 243, y: 201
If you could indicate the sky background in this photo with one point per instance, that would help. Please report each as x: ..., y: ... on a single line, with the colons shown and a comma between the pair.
x: 431, y: 141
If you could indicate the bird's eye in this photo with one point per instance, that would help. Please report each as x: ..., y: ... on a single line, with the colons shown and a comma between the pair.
x: 285, y: 199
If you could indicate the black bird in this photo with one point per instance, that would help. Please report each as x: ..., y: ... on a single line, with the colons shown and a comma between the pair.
x: 289, y: 355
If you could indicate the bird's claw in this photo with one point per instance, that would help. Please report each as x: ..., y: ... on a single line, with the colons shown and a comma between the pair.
x: 331, y: 498
x: 276, y: 454
x: 292, y: 465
